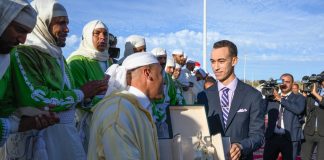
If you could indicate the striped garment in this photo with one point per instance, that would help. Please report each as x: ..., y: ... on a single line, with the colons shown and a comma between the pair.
x: 122, y: 128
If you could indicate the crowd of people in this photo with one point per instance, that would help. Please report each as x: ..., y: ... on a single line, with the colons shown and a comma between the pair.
x: 94, y: 106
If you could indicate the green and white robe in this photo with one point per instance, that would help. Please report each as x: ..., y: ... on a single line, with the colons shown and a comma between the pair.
x: 159, y: 106
x: 43, y: 81
x: 85, y: 70
x: 5, y: 106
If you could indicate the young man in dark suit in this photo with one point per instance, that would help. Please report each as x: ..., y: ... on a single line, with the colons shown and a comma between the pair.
x: 284, y: 131
x: 234, y: 108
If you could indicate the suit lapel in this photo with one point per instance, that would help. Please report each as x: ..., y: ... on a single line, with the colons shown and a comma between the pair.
x: 215, y: 108
x: 236, y: 102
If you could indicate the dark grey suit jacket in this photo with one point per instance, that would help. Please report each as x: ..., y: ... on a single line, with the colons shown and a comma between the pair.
x: 245, y: 124
x: 314, y: 112
x: 294, y: 106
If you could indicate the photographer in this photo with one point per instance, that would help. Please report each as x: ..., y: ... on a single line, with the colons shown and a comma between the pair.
x: 284, y: 133
x: 314, y: 131
x: 113, y: 51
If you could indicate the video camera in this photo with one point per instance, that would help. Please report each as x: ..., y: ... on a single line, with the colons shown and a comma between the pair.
x: 308, y: 81
x: 113, y: 51
x: 268, y: 87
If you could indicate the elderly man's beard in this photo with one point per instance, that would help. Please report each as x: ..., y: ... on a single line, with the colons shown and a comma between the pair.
x: 60, y: 42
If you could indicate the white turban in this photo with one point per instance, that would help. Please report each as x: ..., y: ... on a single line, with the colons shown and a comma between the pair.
x: 133, y: 41
x: 118, y: 73
x: 14, y: 10
x: 170, y: 62
x: 86, y: 48
x: 159, y: 52
x: 178, y: 52
x: 27, y: 17
x: 41, y: 38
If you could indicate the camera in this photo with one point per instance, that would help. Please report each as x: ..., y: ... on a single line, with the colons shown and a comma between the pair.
x: 308, y: 81
x: 268, y: 87
x: 113, y: 51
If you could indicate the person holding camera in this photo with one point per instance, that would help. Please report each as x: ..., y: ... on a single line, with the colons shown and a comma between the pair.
x: 113, y: 50
x: 314, y: 131
x: 284, y: 132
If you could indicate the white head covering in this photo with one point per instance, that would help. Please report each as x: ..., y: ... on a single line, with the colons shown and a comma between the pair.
x: 118, y: 73
x: 87, y: 49
x: 159, y: 52
x: 177, y: 65
x: 41, y: 38
x: 170, y: 62
x: 133, y: 41
x: 178, y: 52
x: 14, y: 10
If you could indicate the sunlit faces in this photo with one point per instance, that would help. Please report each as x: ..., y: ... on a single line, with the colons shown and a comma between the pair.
x: 140, y: 49
x: 162, y: 60
x: 176, y: 73
x: 169, y: 69
x: 295, y: 88
x: 100, y: 39
x: 14, y: 34
x: 178, y: 59
x: 155, y: 81
x: 287, y: 84
x: 223, y: 64
x: 59, y: 30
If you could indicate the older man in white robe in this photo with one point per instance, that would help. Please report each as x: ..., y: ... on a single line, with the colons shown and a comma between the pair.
x: 122, y: 125
x: 133, y: 44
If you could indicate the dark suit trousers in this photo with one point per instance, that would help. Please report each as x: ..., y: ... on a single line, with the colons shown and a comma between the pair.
x: 309, y: 145
x: 280, y: 144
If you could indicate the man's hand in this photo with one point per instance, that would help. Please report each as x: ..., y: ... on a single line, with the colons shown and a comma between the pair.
x: 235, y: 152
x: 93, y: 88
x: 314, y: 89
x: 277, y: 97
x: 37, y: 122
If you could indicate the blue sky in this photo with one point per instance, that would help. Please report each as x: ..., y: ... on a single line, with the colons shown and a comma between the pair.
x: 275, y: 36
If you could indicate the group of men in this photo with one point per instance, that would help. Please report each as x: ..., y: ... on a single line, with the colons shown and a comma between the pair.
x: 41, y: 91
x: 89, y: 107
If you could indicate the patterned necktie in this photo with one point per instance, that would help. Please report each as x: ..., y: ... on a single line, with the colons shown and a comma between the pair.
x: 280, y: 113
x: 225, y: 104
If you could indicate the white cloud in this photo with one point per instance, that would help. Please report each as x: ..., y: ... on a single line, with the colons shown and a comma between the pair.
x: 191, y: 42
x: 269, y: 32
x: 72, y: 41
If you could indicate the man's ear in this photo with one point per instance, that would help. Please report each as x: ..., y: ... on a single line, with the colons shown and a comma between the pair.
x: 147, y: 73
x: 234, y: 61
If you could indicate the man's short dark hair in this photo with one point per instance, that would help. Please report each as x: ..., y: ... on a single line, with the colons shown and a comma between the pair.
x: 210, y: 79
x: 226, y: 43
x: 288, y: 74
